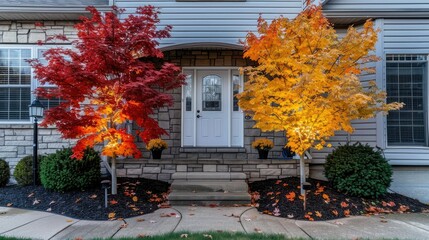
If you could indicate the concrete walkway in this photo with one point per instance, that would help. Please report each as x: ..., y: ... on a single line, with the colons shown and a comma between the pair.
x: 43, y: 225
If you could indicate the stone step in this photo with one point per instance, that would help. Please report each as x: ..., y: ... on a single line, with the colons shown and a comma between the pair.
x: 210, y: 186
x: 187, y: 198
x: 208, y: 176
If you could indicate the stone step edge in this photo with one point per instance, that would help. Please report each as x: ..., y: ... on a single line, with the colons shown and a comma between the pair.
x: 208, y: 176
x: 201, y: 196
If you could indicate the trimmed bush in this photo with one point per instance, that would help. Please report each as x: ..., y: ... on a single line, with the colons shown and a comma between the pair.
x: 4, y: 173
x: 23, y: 172
x: 61, y: 173
x: 358, y: 170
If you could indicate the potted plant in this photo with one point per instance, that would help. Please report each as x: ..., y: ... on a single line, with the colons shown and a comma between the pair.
x: 263, y: 145
x: 156, y: 146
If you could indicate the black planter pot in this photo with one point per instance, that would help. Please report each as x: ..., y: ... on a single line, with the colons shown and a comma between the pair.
x: 156, y: 154
x: 263, y: 154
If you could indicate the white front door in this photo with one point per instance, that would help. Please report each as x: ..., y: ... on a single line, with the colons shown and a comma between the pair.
x: 210, y: 113
x: 212, y: 108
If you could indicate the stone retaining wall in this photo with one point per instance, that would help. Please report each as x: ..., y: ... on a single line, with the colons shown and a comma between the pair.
x: 255, y: 170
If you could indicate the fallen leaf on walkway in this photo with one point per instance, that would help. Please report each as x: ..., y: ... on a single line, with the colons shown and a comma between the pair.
x: 212, y: 205
x: 140, y: 220
x: 49, y: 210
x: 141, y: 235
x: 36, y: 201
x: 125, y: 225
x: 276, y: 212
x: 247, y: 219
x: 258, y: 230
x: 78, y: 238
x: 383, y: 221
x: 9, y: 205
x: 339, y: 223
x: 152, y: 221
x: 184, y: 235
x: 31, y: 194
x: 69, y: 220
x: 403, y: 208
x: 164, y: 205
x: 191, y: 214
x: 165, y: 215
x: 290, y: 215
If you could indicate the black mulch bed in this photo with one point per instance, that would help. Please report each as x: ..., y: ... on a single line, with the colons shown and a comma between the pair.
x: 282, y: 198
x: 135, y: 197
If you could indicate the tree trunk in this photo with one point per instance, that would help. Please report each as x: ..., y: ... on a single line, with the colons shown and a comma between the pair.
x: 114, y: 180
x: 302, y: 172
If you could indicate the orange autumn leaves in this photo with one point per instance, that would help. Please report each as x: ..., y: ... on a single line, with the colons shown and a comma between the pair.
x: 306, y: 82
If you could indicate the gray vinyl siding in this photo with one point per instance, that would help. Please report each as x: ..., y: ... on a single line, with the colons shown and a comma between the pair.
x: 406, y: 36
x: 377, y: 5
x: 218, y: 22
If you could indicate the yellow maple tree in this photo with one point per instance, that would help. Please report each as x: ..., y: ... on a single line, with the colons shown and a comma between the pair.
x: 306, y: 81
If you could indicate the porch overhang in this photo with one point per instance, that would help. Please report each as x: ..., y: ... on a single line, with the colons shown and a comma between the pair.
x: 202, y: 45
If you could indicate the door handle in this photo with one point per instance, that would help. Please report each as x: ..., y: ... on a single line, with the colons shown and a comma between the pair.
x: 198, y: 116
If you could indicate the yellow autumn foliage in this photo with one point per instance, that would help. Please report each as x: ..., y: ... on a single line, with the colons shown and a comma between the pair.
x: 306, y: 82
x: 156, y: 144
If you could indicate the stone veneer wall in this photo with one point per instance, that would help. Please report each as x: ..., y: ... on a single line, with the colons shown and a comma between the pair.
x: 22, y: 32
x: 255, y: 169
x: 16, y: 140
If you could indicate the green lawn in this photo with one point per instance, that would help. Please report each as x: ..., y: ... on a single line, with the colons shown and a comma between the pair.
x: 215, y: 236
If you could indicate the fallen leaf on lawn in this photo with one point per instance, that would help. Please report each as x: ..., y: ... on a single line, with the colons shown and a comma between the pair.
x: 152, y: 221
x: 140, y: 220
x: 78, y: 200
x: 320, y: 189
x: 9, y: 205
x: 347, y: 212
x: 335, y: 212
x: 141, y: 235
x: 308, y: 217
x: 93, y: 196
x: 31, y: 194
x: 78, y: 238
x: 135, y: 199
x: 184, y: 235
x: 318, y: 214
x: 36, y: 201
x: 49, y: 209
x: 125, y: 225
x: 291, y: 196
x: 208, y: 236
x: 326, y: 197
x: 111, y: 215
x: 344, y: 204
x: 258, y: 230
x: 113, y: 202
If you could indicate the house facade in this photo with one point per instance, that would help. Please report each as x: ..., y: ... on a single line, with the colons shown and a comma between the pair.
x: 207, y: 130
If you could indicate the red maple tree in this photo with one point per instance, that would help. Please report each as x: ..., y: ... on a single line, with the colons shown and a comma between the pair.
x: 112, y: 74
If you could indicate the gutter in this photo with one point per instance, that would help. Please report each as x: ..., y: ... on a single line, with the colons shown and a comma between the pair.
x: 51, y: 9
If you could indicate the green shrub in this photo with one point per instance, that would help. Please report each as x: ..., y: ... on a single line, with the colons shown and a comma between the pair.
x: 358, y: 170
x: 61, y: 173
x: 23, y: 172
x: 4, y: 173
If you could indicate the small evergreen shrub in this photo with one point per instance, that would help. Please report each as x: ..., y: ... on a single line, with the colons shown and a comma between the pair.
x: 61, y: 173
x: 358, y: 170
x: 4, y: 173
x: 23, y: 173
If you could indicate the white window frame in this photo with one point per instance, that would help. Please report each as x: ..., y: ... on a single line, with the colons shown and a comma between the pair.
x: 34, y: 83
x: 426, y: 100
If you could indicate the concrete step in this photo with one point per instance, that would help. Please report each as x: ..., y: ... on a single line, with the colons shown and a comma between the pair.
x: 210, y: 186
x: 208, y: 176
x: 187, y: 198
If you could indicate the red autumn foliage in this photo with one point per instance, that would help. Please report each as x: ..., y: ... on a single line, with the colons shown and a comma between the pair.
x: 113, y: 74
